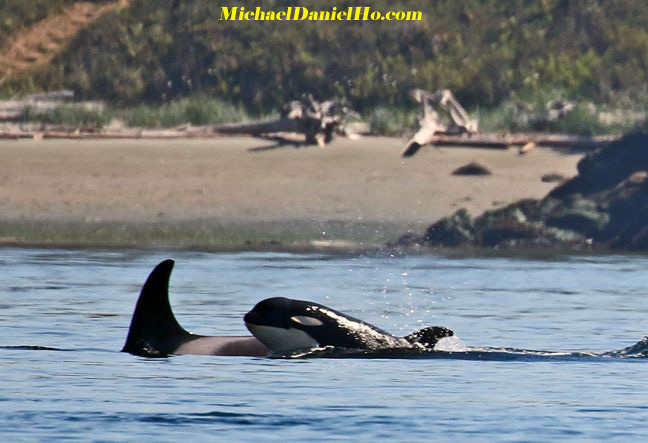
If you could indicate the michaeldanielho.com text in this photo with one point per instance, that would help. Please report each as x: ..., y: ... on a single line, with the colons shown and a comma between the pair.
x: 301, y: 13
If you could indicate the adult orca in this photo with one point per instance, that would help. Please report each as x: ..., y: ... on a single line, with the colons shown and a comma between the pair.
x: 285, y: 326
x: 155, y: 332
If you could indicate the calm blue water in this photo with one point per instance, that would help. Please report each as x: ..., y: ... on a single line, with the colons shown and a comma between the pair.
x: 81, y: 302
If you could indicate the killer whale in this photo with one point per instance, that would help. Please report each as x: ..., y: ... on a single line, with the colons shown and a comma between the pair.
x: 286, y: 326
x: 280, y: 325
x: 155, y: 332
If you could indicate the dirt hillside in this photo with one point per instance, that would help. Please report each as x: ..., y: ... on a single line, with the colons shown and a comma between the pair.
x: 40, y: 43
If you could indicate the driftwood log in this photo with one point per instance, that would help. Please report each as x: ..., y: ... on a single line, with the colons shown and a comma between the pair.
x: 487, y: 141
x: 317, y: 121
x: 441, y: 114
x: 11, y: 110
x: 497, y: 141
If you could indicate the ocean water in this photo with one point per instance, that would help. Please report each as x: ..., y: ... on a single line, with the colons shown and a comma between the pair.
x: 65, y: 314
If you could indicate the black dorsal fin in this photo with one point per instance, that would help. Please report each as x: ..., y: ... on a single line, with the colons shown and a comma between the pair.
x: 429, y: 336
x: 154, y: 330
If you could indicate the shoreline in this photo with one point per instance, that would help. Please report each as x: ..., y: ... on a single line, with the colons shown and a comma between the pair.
x: 204, y: 235
x: 242, y: 193
x: 330, y: 248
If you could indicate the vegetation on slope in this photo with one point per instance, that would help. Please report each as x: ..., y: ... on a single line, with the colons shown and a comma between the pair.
x: 16, y: 15
x: 488, y: 52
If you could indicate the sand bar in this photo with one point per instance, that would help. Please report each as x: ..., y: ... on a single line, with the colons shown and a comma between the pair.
x: 239, y: 192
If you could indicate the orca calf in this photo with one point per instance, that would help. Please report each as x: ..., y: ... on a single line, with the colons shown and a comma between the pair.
x: 155, y: 332
x: 286, y: 326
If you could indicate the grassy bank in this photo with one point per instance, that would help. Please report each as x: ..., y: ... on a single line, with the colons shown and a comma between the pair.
x: 514, y: 115
x: 191, y: 110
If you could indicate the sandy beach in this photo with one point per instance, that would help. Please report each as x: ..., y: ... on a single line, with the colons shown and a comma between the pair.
x: 241, y: 192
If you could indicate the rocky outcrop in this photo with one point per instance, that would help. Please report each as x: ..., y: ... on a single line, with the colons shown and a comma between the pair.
x: 605, y: 206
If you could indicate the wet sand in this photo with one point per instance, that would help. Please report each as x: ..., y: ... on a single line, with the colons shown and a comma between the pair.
x: 228, y: 193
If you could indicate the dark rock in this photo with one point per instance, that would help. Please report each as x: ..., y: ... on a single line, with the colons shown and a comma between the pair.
x: 453, y: 231
x: 408, y: 240
x: 585, y: 222
x: 607, y: 167
x: 638, y: 241
x: 627, y: 205
x: 605, y: 205
x: 519, y: 212
x: 472, y: 168
x: 553, y: 177
x: 510, y: 233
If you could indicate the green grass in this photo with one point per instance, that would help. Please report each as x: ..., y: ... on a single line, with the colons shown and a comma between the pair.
x: 492, y: 54
x: 485, y: 51
x: 520, y: 114
x: 511, y: 116
x: 197, y: 111
x: 391, y: 121
x: 68, y: 115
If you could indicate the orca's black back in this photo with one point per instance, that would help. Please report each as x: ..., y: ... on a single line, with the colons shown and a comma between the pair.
x: 346, y: 336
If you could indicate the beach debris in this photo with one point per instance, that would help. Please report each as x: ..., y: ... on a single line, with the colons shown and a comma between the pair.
x: 488, y: 141
x: 11, y: 110
x: 472, y: 168
x: 555, y: 110
x: 444, y: 122
x: 605, y: 206
x: 504, y: 141
x: 441, y: 113
x: 527, y: 147
x: 60, y: 95
x: 317, y: 121
x: 444, y: 104
x: 303, y: 121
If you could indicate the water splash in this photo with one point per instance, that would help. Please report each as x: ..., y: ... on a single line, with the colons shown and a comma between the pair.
x: 450, y: 344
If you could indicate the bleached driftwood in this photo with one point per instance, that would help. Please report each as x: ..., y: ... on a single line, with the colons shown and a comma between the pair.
x: 318, y: 121
x: 11, y: 110
x: 525, y: 142
x: 441, y: 114
x: 61, y: 95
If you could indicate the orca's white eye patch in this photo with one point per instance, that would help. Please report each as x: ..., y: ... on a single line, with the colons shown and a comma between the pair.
x: 306, y: 321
